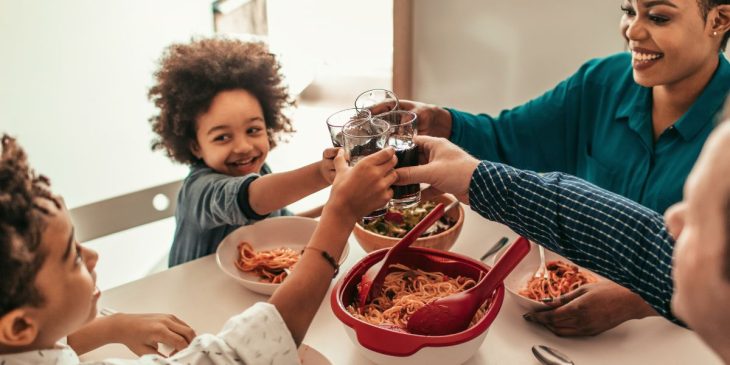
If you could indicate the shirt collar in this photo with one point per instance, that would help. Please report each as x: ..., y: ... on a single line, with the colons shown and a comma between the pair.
x: 708, y: 104
x: 635, y: 105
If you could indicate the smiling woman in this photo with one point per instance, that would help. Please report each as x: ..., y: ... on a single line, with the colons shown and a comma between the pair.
x: 651, y: 108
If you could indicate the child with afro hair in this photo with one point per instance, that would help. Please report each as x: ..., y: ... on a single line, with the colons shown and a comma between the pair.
x: 221, y: 105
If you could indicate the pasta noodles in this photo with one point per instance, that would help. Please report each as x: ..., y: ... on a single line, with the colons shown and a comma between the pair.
x: 562, y: 278
x: 269, y: 265
x: 406, y: 290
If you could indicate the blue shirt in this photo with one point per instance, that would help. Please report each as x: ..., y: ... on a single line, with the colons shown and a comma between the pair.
x: 209, y: 206
x: 597, y: 125
x: 604, y: 232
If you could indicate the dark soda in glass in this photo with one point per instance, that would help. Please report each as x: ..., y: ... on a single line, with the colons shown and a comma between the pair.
x: 407, y: 153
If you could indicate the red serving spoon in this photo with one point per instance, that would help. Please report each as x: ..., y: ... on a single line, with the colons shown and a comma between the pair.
x: 452, y: 314
x: 372, y: 280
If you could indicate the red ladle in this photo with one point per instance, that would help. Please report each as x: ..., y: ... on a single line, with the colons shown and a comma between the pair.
x: 372, y: 280
x: 452, y: 314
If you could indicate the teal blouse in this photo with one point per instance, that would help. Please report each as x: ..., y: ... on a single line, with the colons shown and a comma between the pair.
x: 597, y: 125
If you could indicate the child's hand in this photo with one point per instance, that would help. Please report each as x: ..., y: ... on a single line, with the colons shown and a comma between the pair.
x: 142, y: 332
x: 365, y: 187
x: 327, y: 165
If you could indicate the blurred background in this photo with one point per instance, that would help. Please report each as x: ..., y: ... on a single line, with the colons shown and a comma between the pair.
x: 74, y: 76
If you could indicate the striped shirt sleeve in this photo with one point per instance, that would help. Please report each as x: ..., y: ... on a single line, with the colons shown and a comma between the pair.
x: 592, y: 227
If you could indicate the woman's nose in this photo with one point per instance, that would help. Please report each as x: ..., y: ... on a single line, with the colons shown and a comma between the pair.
x: 634, y: 29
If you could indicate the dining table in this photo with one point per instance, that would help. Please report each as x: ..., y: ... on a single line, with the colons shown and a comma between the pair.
x: 202, y: 295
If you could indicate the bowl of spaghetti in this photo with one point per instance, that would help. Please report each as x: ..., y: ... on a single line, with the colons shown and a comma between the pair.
x: 259, y: 256
x: 386, y: 231
x: 422, y: 275
x: 563, y: 277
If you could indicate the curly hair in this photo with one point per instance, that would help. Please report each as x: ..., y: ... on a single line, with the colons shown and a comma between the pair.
x: 21, y: 227
x: 192, y: 74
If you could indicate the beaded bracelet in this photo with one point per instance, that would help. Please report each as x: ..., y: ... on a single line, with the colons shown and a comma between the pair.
x: 331, y: 260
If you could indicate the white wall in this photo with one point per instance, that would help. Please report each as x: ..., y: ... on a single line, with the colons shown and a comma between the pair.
x: 486, y: 55
x: 73, y: 83
x: 74, y: 76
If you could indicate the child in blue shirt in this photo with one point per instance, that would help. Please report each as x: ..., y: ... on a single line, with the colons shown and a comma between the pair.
x: 220, y: 105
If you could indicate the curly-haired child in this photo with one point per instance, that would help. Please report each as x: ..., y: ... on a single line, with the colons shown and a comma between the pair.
x: 220, y: 111
x: 34, y: 294
x: 48, y: 283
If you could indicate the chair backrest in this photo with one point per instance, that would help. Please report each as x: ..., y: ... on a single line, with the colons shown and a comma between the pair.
x: 125, y: 211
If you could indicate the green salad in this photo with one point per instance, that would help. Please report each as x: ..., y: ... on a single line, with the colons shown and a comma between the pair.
x: 396, y: 223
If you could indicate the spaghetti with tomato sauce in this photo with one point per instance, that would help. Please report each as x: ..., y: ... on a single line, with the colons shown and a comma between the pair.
x: 269, y: 265
x: 406, y: 290
x: 562, y: 278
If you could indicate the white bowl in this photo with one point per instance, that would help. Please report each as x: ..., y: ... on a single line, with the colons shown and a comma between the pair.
x: 270, y: 233
x: 517, y: 279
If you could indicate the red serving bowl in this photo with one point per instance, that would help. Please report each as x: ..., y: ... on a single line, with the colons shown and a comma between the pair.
x: 384, y: 346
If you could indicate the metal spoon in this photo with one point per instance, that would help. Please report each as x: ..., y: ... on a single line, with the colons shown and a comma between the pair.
x: 550, y: 356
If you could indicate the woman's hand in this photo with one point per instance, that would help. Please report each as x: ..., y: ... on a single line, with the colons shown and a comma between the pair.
x: 433, y: 120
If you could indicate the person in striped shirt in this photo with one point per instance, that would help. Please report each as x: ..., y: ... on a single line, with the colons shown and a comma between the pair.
x: 679, y: 263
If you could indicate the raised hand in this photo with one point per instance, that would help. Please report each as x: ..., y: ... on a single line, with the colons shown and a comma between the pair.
x: 445, y: 166
x: 360, y: 189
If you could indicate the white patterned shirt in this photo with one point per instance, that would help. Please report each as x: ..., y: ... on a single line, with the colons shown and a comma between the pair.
x: 257, y: 336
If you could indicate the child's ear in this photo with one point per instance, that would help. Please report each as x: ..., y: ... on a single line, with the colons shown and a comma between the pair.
x: 195, y: 149
x: 18, y: 328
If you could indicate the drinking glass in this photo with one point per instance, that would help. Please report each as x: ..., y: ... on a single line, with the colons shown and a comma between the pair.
x: 403, y: 126
x: 336, y: 121
x: 363, y: 137
x: 377, y: 101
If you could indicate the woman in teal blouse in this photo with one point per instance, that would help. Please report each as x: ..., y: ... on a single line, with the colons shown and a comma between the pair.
x: 633, y: 123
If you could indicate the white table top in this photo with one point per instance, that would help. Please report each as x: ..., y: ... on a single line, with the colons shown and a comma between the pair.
x: 199, y: 293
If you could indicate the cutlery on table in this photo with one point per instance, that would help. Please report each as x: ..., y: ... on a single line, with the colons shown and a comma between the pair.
x: 550, y: 356
x: 495, y: 248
